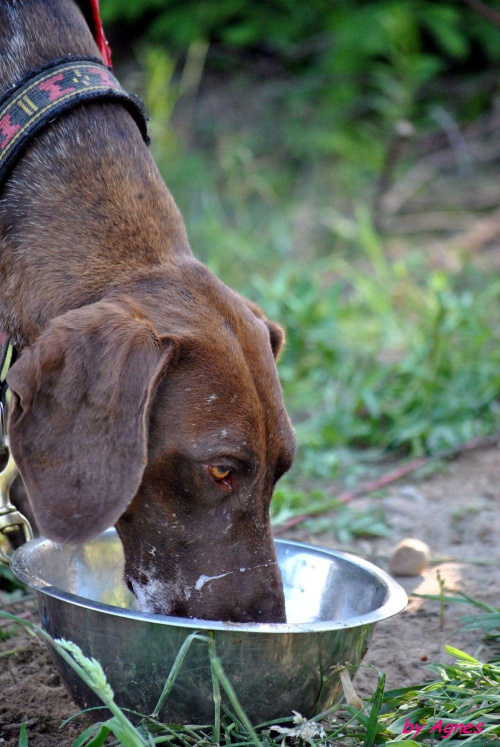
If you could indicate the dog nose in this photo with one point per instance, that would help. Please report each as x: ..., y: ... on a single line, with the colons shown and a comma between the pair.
x: 269, y: 608
x: 266, y: 607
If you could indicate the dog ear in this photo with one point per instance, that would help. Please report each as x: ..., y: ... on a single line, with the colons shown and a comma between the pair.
x: 78, y: 420
x: 276, y: 336
x: 276, y: 331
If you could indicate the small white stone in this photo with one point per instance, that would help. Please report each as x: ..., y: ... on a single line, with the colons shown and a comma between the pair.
x: 409, y: 558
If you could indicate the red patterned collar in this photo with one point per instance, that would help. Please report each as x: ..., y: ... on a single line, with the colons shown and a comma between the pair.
x: 47, y: 93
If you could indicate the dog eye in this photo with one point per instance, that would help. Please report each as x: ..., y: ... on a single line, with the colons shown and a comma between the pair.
x: 219, y: 472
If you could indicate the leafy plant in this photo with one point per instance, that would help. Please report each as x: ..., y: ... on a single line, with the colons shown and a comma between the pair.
x: 354, y: 69
x: 466, y: 691
x: 383, y: 359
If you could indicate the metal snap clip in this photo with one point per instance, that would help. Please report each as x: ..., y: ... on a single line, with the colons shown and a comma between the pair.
x: 11, y: 520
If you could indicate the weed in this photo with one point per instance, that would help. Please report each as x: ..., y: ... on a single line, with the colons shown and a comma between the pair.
x: 464, y: 692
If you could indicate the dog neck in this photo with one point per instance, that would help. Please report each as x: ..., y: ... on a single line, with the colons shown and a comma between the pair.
x: 34, y: 32
x: 85, y: 206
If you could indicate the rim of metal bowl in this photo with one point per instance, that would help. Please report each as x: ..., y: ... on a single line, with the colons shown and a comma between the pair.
x: 395, y: 597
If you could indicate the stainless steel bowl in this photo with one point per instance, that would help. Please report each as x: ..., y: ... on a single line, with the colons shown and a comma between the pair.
x: 333, y: 601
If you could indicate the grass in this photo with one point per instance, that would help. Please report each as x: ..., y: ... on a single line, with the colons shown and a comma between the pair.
x: 466, y: 691
x: 485, y: 619
x: 393, y: 363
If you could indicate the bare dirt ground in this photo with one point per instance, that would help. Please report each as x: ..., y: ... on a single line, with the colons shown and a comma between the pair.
x: 457, y: 512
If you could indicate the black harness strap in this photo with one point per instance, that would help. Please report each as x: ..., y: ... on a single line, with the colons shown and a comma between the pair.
x: 51, y: 91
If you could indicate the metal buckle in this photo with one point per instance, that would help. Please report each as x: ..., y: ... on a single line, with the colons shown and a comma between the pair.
x: 11, y: 519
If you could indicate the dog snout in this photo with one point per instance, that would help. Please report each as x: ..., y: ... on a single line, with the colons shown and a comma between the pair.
x: 252, y: 593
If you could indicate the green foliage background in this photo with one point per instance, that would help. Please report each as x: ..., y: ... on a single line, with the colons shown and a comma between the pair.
x: 365, y: 58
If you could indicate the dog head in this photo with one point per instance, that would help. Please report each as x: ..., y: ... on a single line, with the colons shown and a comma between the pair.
x: 158, y: 409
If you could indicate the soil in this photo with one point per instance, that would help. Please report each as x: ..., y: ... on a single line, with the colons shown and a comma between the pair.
x: 457, y: 512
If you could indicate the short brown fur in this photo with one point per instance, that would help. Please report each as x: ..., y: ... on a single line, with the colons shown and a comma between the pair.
x: 139, y: 369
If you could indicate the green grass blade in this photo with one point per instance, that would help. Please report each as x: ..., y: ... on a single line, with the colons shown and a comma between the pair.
x: 461, y: 599
x: 452, y: 651
x: 79, y: 713
x: 123, y: 734
x: 233, y: 698
x: 176, y: 668
x: 217, y: 699
x: 23, y: 737
x: 371, y: 731
x: 91, y: 731
x: 99, y: 738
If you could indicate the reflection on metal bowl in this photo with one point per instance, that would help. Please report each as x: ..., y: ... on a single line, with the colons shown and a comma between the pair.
x: 333, y: 601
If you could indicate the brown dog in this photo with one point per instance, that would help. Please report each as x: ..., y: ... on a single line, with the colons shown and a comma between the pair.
x: 146, y: 395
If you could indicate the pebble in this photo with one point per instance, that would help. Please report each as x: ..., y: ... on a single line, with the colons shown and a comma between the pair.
x: 409, y: 557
